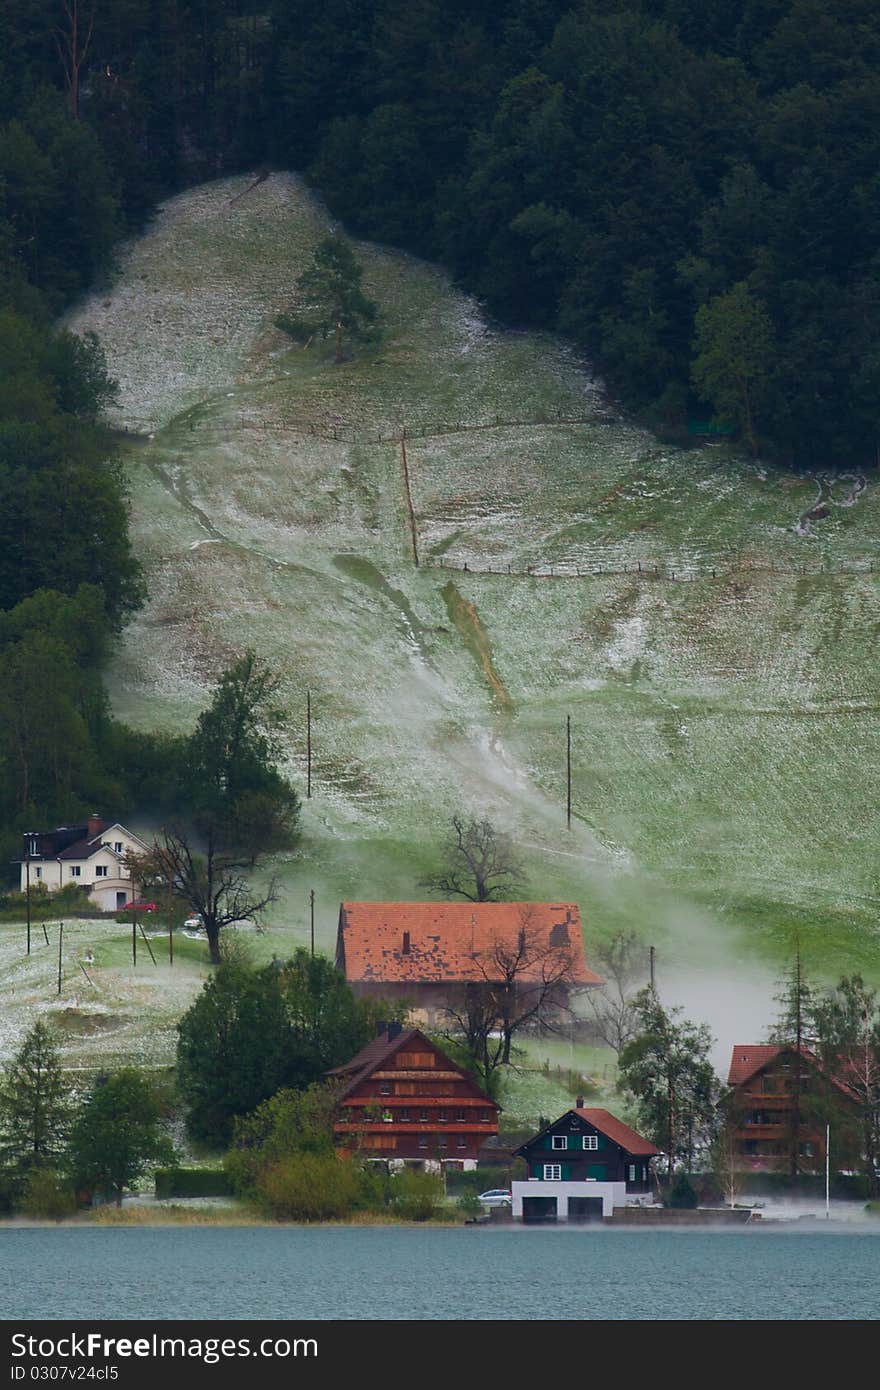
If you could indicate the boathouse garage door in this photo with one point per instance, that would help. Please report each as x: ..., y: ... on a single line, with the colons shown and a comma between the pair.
x: 539, y: 1209
x: 585, y: 1208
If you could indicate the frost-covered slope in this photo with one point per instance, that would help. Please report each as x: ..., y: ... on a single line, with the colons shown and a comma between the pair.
x: 719, y: 671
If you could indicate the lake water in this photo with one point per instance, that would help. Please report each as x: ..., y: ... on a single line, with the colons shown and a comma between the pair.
x: 227, y: 1273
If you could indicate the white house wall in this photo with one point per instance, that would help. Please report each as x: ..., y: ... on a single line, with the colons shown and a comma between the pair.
x: 613, y: 1195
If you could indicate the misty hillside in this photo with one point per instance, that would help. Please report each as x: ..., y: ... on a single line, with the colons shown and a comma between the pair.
x: 709, y: 626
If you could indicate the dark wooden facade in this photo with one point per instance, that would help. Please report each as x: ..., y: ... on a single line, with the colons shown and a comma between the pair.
x: 406, y: 1100
x: 590, y: 1145
x: 776, y: 1093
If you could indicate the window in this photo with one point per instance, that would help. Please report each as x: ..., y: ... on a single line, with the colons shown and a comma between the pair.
x: 632, y: 1173
x: 75, y: 871
x: 558, y: 1141
x: 100, y: 871
x: 461, y: 1116
x: 423, y: 1141
x: 384, y: 1088
x: 485, y: 1116
x: 424, y: 1117
x: 552, y: 1172
x: 39, y: 873
x: 461, y: 1142
x: 591, y: 1141
x: 442, y: 1116
x: 404, y: 1115
x: 118, y: 846
x: 443, y: 1141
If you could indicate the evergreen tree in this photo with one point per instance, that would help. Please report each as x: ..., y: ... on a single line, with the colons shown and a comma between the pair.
x: 333, y: 300
x: 35, y: 1107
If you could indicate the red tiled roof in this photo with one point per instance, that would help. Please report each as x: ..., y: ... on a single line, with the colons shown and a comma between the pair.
x: 438, y: 942
x: 618, y: 1132
x: 750, y: 1058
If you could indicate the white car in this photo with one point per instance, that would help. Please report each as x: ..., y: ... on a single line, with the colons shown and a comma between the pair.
x: 192, y: 923
x: 496, y: 1197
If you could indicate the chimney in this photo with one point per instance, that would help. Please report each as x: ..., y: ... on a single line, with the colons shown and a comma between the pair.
x: 406, y: 943
x: 94, y: 825
x: 579, y: 1103
x: 381, y: 1026
x: 394, y: 1031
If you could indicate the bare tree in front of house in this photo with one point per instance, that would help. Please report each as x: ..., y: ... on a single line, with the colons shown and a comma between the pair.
x: 526, y: 980
x: 479, y: 864
x: 210, y: 881
x: 621, y: 961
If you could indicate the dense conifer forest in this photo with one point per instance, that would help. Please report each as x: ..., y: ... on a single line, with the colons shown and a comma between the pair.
x: 689, y: 192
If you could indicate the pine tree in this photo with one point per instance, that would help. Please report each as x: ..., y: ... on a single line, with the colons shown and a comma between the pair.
x: 34, y: 1107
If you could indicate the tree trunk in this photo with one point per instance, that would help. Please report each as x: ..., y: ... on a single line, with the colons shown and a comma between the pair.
x: 213, y: 934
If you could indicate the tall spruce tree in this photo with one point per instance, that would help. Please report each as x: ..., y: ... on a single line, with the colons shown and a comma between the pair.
x: 35, y: 1107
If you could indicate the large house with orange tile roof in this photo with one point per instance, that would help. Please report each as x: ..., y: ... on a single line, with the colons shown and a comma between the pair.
x: 775, y: 1104
x: 581, y: 1167
x: 426, y: 953
x: 405, y: 1101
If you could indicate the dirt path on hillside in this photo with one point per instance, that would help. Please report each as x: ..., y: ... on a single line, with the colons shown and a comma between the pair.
x: 821, y: 507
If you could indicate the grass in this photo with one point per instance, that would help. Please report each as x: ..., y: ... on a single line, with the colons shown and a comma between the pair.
x: 724, y: 726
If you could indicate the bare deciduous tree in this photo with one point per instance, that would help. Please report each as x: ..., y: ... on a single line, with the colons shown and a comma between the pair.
x: 525, y: 979
x: 621, y: 961
x: 211, y: 884
x: 481, y: 864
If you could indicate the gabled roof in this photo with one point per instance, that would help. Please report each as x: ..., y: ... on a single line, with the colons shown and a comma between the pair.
x: 84, y: 849
x: 750, y: 1058
x: 381, y: 1050
x: 618, y: 1132
x: 76, y: 841
x: 606, y: 1124
x: 440, y: 942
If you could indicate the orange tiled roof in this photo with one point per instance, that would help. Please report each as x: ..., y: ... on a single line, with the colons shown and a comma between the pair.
x: 438, y: 942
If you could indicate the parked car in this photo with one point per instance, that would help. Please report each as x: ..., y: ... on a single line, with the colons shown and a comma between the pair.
x: 141, y: 905
x: 496, y: 1197
x: 193, y: 922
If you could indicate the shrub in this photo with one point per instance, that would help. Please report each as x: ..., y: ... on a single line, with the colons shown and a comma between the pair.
x: 48, y: 1194
x: 682, y: 1194
x: 309, y: 1187
x: 417, y: 1196
x: 193, y: 1182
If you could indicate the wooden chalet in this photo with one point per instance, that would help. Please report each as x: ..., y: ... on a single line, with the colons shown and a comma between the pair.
x: 406, y: 1101
x: 776, y: 1093
x: 427, y: 953
x: 581, y: 1167
x: 586, y: 1144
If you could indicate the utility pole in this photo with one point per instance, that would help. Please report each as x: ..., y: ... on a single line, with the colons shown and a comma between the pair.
x: 27, y: 871
x: 312, y: 919
x: 827, y: 1172
x: 170, y: 939
x: 60, y: 941
x: 308, y: 743
x: 568, y: 769
x: 134, y: 939
x: 651, y: 955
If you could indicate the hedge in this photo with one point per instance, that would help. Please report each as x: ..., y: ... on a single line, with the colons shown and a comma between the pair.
x: 192, y: 1182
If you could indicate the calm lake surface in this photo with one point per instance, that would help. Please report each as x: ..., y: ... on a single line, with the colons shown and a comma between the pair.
x: 228, y: 1273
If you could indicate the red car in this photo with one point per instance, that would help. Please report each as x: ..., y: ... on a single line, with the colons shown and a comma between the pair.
x: 141, y: 905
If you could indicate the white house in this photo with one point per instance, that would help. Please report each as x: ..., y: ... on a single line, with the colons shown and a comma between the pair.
x: 92, y: 855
